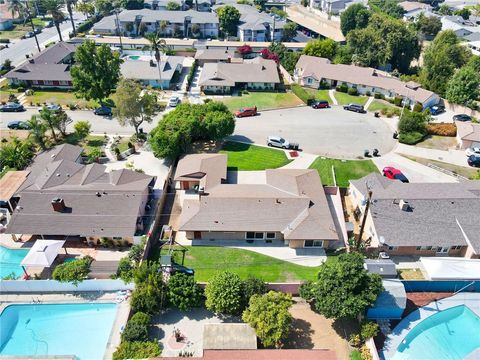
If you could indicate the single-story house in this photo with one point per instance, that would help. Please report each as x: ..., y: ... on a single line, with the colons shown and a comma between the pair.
x: 391, y: 303
x: 414, y: 8
x: 468, y: 134
x: 168, y: 23
x: 146, y: 72
x: 312, y: 71
x: 63, y: 198
x: 50, y: 68
x: 334, y: 7
x: 255, y: 74
x: 419, y: 219
x: 462, y: 28
x: 475, y: 46
x: 204, y: 56
x: 290, y: 208
x: 162, y: 4
x: 386, y: 268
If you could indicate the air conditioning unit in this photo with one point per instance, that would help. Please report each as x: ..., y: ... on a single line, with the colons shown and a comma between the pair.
x: 404, y: 205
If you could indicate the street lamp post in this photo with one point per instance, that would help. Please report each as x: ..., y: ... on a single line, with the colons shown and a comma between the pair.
x: 27, y: 9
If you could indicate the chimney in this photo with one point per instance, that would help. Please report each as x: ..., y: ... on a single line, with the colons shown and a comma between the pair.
x: 201, y: 190
x: 58, y: 204
x: 404, y: 206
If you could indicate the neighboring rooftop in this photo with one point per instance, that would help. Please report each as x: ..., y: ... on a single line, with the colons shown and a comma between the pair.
x: 214, y: 54
x: 10, y: 183
x: 322, y: 68
x: 382, y: 267
x: 149, y: 16
x: 413, y: 5
x: 468, y: 131
x: 252, y: 19
x: 257, y: 70
x: 142, y: 70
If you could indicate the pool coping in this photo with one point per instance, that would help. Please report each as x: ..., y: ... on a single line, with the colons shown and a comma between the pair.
x: 393, y: 340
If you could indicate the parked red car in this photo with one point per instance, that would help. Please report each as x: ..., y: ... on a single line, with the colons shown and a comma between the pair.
x: 251, y: 111
x: 394, y: 174
x: 320, y: 104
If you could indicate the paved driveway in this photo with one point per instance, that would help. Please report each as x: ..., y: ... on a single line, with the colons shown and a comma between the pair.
x: 330, y: 132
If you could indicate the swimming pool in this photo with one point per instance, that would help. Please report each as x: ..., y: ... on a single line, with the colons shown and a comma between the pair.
x: 10, y: 260
x: 57, y: 329
x: 449, y: 334
x: 134, y: 57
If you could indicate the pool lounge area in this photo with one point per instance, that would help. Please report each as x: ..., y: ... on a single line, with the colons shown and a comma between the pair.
x: 79, y: 329
x: 444, y: 329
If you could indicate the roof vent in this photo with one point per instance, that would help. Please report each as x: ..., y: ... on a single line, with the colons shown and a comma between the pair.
x: 58, y: 204
x: 201, y: 190
x: 404, y: 205
x: 98, y: 194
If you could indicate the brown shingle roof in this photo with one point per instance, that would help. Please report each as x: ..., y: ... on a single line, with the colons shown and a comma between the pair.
x: 209, y: 169
x: 468, y: 131
x: 321, y: 68
x: 10, y: 183
x: 214, y: 54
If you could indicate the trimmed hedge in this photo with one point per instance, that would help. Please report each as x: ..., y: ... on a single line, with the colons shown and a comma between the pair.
x: 342, y: 88
x: 442, y: 129
x: 302, y: 94
x: 191, y: 74
x: 352, y: 91
x: 88, y: 24
x: 410, y: 138
x: 137, y: 328
x: 418, y: 107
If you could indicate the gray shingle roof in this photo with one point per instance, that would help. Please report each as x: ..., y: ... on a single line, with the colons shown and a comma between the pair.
x: 141, y: 70
x: 147, y: 15
x: 382, y: 267
x: 251, y: 18
x: 98, y: 203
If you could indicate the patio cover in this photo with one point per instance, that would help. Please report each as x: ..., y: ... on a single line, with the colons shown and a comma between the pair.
x: 10, y: 183
x: 43, y: 253
x: 443, y: 268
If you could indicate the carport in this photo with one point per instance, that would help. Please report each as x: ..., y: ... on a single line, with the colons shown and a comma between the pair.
x: 9, y: 184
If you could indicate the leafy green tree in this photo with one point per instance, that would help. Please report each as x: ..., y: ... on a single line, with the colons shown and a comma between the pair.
x: 369, y: 329
x: 196, y: 30
x: 125, y: 269
x: 134, y: 106
x: 94, y: 154
x: 260, y: 3
x: 253, y: 286
x: 173, y: 6
x: 137, y: 350
x: 440, y: 60
x: 464, y: 86
x: 96, y: 71
x: 289, y: 31
x: 268, y: 314
x: 474, y: 63
x: 464, y: 13
x: 137, y: 327
x: 413, y: 122
x: 355, y: 16
x: 104, y: 6
x: 74, y: 271
x: 217, y: 124
x: 228, y: 17
x: 183, y: 292
x: 343, y: 55
x: 149, y: 295
x: 54, y: 8
x: 389, y: 7
x: 132, y: 4
x: 344, y: 289
x: 37, y: 131
x: 289, y: 61
x: 428, y: 26
x: 88, y: 9
x: 224, y: 293
x: 321, y: 48
x: 15, y: 154
x: 82, y: 129
x: 367, y: 47
x: 445, y: 10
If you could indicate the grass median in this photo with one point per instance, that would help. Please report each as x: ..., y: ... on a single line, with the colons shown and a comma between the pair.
x: 345, y: 170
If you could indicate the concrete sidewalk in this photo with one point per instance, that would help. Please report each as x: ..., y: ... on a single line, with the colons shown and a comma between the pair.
x: 303, y: 161
x: 455, y: 157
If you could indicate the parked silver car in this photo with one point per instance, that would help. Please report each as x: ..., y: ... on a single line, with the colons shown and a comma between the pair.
x: 277, y: 141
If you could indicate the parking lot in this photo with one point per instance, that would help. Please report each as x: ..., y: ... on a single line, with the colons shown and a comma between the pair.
x: 331, y: 132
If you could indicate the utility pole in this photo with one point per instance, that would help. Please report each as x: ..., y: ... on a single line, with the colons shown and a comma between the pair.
x: 118, y: 28
x: 364, y: 220
x: 31, y: 23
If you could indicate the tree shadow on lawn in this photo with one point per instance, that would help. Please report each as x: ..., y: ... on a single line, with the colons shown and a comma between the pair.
x: 300, y: 335
x: 345, y: 327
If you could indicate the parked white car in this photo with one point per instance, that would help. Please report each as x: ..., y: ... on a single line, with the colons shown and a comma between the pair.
x: 173, y: 101
x: 277, y: 141
x: 473, y: 151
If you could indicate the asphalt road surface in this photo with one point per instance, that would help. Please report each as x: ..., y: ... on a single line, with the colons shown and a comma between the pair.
x: 330, y: 132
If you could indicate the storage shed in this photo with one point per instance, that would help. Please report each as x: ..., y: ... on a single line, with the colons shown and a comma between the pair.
x: 391, y: 303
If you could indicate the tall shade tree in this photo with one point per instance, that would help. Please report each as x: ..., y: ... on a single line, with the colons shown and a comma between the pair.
x: 428, y: 26
x: 321, y: 48
x: 289, y: 31
x: 134, y: 107
x: 70, y: 4
x: 228, y: 16
x: 355, y: 16
x: 15, y: 154
x: 464, y: 86
x: 54, y: 8
x: 104, y: 6
x: 86, y: 8
x: 344, y: 289
x: 157, y: 46
x: 37, y: 131
x: 96, y: 71
x: 224, y: 294
x: 441, y: 59
x: 268, y: 315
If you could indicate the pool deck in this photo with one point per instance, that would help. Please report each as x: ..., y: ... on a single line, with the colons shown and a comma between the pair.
x: 123, y: 309
x: 472, y: 300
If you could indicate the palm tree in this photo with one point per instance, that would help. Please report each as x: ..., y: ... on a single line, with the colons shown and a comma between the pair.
x: 48, y: 117
x: 70, y: 13
x: 15, y: 154
x: 37, y: 131
x: 15, y: 7
x: 54, y: 8
x: 157, y: 45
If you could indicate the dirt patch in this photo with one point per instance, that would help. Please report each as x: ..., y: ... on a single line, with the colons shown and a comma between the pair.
x: 411, y: 274
x: 9, y: 134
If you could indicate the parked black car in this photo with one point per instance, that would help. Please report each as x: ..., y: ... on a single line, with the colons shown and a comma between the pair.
x: 462, y: 117
x: 12, y: 107
x: 355, y: 107
x: 18, y: 125
x: 474, y: 160
x: 103, y: 110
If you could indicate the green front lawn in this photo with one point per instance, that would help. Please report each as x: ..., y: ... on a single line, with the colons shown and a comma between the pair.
x: 243, y: 157
x: 262, y: 100
x: 88, y: 144
x: 344, y: 170
x: 378, y: 105
x: 320, y: 94
x: 344, y: 99
x: 59, y: 97
x: 207, y: 260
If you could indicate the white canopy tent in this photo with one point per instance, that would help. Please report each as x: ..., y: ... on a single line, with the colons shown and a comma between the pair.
x: 43, y: 253
x: 447, y: 268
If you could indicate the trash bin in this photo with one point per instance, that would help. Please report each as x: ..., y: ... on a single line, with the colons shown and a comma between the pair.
x: 366, y: 153
x: 375, y: 152
x: 377, y: 114
x: 395, y: 135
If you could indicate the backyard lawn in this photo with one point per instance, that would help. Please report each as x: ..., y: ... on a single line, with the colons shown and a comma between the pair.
x: 344, y: 99
x: 207, y: 260
x: 243, y: 157
x: 262, y: 100
x: 344, y: 170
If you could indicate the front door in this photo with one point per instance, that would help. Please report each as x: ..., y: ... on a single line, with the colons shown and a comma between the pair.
x: 197, y: 235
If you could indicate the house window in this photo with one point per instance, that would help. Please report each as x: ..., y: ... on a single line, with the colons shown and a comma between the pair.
x: 393, y: 248
x: 270, y: 235
x: 457, y: 247
x: 64, y: 83
x: 313, y: 243
x: 418, y: 248
x: 48, y: 82
x: 309, y: 81
x: 254, y: 235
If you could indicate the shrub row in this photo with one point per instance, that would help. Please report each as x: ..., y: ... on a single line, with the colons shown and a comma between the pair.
x: 87, y: 25
x: 191, y: 73
x: 442, y: 129
x: 411, y: 138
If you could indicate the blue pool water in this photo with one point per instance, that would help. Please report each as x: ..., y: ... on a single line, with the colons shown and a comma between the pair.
x: 10, y: 261
x: 134, y: 57
x: 57, y: 329
x: 450, y: 334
